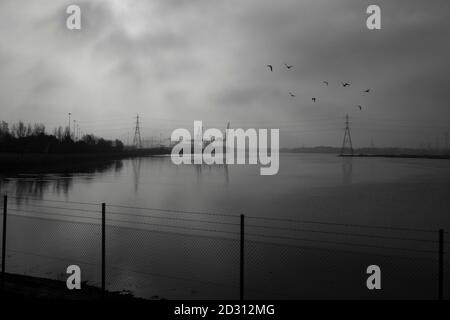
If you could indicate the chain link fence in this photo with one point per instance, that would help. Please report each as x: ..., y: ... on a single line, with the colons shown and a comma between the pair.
x: 157, y: 253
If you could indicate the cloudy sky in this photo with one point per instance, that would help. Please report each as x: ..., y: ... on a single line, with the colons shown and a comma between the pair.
x: 175, y: 61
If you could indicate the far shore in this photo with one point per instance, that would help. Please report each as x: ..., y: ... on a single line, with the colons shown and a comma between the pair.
x: 405, y: 156
x: 69, y: 162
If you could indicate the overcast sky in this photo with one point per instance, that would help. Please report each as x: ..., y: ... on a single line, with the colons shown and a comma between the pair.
x: 175, y: 61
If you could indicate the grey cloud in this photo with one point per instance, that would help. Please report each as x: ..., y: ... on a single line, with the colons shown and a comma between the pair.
x: 186, y: 59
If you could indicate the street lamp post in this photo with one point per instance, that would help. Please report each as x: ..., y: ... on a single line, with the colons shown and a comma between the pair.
x: 69, y: 122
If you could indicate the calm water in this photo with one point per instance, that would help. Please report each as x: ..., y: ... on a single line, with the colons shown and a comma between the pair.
x: 195, y: 254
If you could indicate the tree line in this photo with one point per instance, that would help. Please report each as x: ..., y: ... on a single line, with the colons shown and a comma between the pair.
x: 32, y: 138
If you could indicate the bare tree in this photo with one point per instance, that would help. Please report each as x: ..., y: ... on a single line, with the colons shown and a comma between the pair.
x: 19, y: 130
x: 39, y: 129
x: 59, y: 133
x: 4, y: 130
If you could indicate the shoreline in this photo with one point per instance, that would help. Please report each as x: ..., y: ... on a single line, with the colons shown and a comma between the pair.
x: 39, y: 162
x: 16, y: 286
x: 402, y: 156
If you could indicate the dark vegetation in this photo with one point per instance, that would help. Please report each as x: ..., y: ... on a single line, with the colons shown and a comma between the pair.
x: 26, y: 139
x: 28, y: 148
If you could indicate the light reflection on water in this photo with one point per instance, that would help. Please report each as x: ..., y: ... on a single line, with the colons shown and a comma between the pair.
x: 152, y: 256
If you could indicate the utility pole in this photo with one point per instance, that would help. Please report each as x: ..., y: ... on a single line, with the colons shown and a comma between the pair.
x: 347, y: 142
x: 137, y: 142
x: 69, y: 122
x: 74, y: 129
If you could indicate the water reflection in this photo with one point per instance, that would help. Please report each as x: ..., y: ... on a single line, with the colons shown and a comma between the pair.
x: 198, y: 170
x: 41, y: 184
x: 215, y: 167
x: 36, y: 185
x: 227, y: 175
x: 347, y: 170
x: 136, y: 164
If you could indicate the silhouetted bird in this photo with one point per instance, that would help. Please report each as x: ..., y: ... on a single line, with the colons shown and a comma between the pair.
x: 291, y: 94
x: 360, y: 108
x: 345, y: 84
x: 314, y: 99
x: 367, y: 91
x: 287, y: 66
x: 326, y: 82
x: 270, y: 67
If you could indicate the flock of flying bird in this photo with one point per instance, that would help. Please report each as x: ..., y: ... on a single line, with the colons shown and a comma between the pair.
x: 326, y: 83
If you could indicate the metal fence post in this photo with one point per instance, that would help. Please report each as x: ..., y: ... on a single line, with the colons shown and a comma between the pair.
x: 242, y: 260
x: 103, y: 249
x: 5, y: 211
x: 441, y: 264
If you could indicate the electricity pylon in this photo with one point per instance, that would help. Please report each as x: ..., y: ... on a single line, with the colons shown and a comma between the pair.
x: 347, y: 142
x: 137, y: 142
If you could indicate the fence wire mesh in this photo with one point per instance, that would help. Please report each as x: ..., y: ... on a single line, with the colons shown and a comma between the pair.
x: 43, y: 240
x: 159, y: 253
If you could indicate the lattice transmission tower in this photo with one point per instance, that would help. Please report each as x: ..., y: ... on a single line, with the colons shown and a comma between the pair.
x: 347, y: 142
x: 137, y: 142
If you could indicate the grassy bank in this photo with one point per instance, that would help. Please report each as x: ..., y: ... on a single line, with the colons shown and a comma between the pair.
x: 25, y: 287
